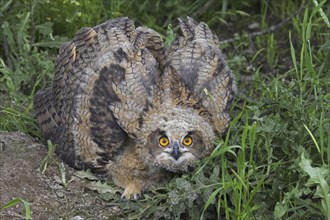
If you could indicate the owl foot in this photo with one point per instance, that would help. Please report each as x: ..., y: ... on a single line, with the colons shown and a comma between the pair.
x: 131, y: 192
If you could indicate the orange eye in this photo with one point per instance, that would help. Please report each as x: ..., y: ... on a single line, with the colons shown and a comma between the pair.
x: 163, y: 141
x: 187, y: 141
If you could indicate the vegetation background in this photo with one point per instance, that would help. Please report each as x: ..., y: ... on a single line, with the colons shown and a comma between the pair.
x: 274, y: 161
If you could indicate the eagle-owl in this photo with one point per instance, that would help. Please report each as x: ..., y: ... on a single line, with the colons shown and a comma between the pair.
x: 125, y: 106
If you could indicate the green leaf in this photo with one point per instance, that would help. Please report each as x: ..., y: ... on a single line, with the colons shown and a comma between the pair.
x: 46, y: 29
x: 210, y: 200
x: 8, y: 33
x: 170, y: 36
x: 22, y: 33
x: 10, y: 203
x: 221, y: 150
x: 313, y: 138
x: 280, y: 210
x: 101, y: 187
x: 173, y: 197
x: 56, y: 42
x: 17, y: 201
x: 86, y: 174
x: 317, y: 174
x: 5, y: 7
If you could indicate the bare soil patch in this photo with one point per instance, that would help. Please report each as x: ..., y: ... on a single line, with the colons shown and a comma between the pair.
x: 20, y: 177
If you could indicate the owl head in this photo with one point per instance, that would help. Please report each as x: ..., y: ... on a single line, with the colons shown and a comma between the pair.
x: 178, y: 138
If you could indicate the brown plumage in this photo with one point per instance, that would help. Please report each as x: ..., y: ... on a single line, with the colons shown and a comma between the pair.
x: 123, y: 105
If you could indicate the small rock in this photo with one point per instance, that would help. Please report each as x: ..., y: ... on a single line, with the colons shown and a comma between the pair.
x: 60, y: 194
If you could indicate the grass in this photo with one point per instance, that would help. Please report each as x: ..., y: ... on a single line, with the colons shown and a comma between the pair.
x: 274, y: 161
x: 18, y: 201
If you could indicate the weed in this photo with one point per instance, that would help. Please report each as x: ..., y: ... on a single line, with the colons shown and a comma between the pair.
x: 17, y: 201
x: 50, y: 160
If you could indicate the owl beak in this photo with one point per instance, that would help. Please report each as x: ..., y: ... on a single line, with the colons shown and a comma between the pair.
x: 176, y: 151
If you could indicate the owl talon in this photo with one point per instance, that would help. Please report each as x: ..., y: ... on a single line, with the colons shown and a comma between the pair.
x: 131, y: 192
x: 135, y: 197
x: 123, y: 197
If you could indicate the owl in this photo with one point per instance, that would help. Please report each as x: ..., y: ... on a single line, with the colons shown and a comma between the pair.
x: 128, y: 108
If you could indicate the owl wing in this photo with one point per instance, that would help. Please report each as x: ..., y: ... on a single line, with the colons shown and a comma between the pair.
x: 199, y: 75
x: 102, y: 82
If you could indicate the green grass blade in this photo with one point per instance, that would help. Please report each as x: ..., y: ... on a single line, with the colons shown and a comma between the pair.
x: 313, y: 138
x: 318, y: 7
x: 17, y: 201
x: 293, y: 56
x: 210, y: 200
x: 10, y: 203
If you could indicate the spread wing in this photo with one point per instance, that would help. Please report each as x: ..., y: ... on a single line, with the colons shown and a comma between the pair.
x: 199, y: 75
x: 102, y: 82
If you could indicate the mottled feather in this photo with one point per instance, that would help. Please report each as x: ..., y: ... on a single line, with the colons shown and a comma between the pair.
x: 117, y: 91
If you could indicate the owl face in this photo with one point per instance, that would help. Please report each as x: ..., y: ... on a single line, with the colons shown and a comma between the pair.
x: 176, y: 140
x: 176, y: 149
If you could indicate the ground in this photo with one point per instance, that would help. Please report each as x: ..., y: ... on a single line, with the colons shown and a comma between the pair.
x: 21, y: 177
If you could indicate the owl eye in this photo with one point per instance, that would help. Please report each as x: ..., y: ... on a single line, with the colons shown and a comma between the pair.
x: 163, y: 141
x: 187, y: 141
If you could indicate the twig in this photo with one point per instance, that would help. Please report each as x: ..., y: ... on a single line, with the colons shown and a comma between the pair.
x: 263, y: 32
